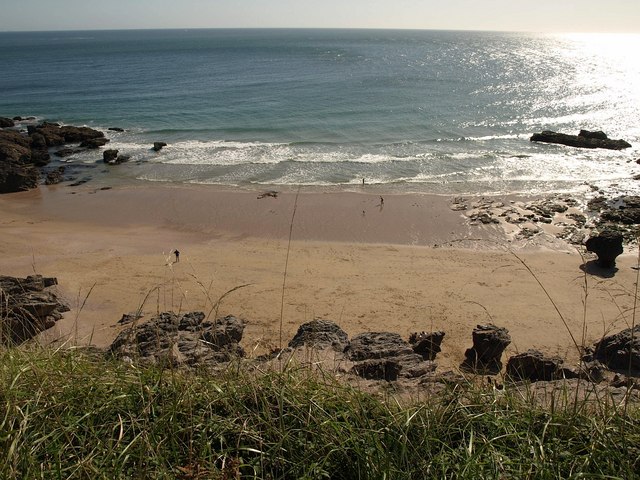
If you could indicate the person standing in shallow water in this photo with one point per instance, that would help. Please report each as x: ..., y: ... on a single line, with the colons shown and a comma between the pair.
x: 177, y: 254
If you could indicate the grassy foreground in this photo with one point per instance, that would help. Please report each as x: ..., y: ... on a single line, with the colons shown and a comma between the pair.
x: 70, y: 415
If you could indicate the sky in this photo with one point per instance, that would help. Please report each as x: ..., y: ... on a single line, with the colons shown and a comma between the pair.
x: 616, y: 16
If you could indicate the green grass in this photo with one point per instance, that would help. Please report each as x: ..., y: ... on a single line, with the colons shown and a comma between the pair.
x: 67, y: 414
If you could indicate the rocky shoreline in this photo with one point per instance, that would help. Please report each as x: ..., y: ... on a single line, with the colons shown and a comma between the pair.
x: 190, y: 340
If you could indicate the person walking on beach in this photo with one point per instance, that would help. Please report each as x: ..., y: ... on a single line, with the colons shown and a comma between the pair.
x: 381, y: 201
x: 177, y: 254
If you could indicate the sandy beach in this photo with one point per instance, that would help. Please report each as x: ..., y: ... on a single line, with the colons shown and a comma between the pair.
x: 407, y: 264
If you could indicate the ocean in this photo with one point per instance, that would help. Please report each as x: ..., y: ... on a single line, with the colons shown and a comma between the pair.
x: 442, y: 112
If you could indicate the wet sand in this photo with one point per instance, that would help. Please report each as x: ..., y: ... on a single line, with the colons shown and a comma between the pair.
x: 409, y: 264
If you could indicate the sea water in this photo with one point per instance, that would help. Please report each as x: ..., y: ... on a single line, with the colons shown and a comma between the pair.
x: 426, y: 111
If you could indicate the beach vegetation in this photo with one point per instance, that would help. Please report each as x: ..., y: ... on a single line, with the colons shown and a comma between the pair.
x: 74, y: 413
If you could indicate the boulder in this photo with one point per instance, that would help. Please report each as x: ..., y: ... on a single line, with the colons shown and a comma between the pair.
x: 181, y: 340
x: 381, y: 369
x: 620, y: 351
x: 485, y: 355
x: 593, y: 371
x: 534, y: 366
x: 386, y: 356
x: 157, y: 146
x: 116, y: 129
x: 94, y: 143
x: 373, y: 345
x: 320, y: 334
x: 6, y: 122
x: 27, y: 307
x: 607, y: 245
x: 426, y: 344
x: 109, y: 156
x: 584, y: 139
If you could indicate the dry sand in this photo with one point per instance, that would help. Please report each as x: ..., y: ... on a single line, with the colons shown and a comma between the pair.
x: 410, y: 264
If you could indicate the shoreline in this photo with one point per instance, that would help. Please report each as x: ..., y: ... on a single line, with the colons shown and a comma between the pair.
x: 413, y: 265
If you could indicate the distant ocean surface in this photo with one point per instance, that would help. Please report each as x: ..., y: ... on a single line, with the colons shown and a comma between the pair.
x: 423, y: 111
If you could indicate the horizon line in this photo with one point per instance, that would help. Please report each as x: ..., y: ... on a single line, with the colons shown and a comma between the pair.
x: 586, y: 32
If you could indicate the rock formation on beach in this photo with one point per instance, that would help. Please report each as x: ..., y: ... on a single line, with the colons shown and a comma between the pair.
x: 181, y: 339
x: 190, y: 340
x: 21, y: 154
x: 585, y: 139
x: 27, y: 307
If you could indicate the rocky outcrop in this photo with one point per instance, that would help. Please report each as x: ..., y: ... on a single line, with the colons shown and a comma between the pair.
x: 21, y: 155
x: 534, y: 366
x: 111, y: 157
x: 27, y: 307
x: 320, y: 334
x: 607, y: 245
x: 55, y: 134
x: 620, y: 351
x: 6, y: 122
x: 157, y: 146
x: 385, y: 356
x: 94, y: 143
x: 17, y: 172
x: 585, y: 139
x: 485, y: 355
x: 181, y: 340
x: 624, y: 210
x: 426, y: 344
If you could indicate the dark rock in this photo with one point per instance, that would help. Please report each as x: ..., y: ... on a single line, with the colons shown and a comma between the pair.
x: 65, y: 152
x: 484, y: 218
x: 116, y: 129
x: 598, y: 135
x: 622, y: 381
x: 591, y: 140
x: 109, y: 156
x: 94, y: 143
x: 320, y: 334
x: 426, y: 344
x: 387, y: 354
x: 40, y: 158
x: 27, y: 307
x: 130, y: 318
x: 157, y: 146
x: 20, y: 154
x: 620, y: 351
x: 607, y: 245
x: 225, y: 331
x: 374, y: 345
x: 593, y: 371
x: 187, y: 339
x: 122, y: 159
x: 6, y: 122
x: 17, y: 173
x: 532, y: 365
x: 489, y: 342
x: 625, y: 210
x: 382, y: 369
x: 55, y: 176
x: 271, y: 193
x: 38, y: 141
